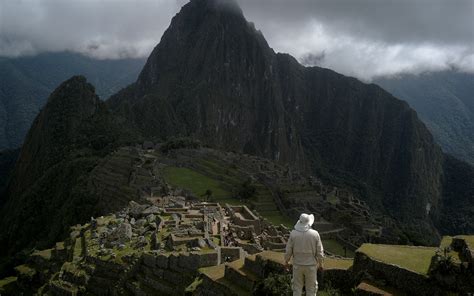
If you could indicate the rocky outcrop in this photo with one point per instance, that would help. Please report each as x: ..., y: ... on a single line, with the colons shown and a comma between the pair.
x: 214, y: 77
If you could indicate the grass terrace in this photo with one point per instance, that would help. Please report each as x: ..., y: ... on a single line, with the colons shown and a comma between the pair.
x: 416, y: 259
x: 45, y: 254
x: 336, y: 248
x: 335, y: 263
x: 198, y: 184
x: 220, y: 180
x: 6, y: 281
x: 25, y: 270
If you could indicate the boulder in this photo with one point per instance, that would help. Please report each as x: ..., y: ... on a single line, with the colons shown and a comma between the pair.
x: 136, y: 209
x: 201, y: 243
x: 151, y: 210
x: 140, y: 223
x: 121, y: 234
x: 150, y: 218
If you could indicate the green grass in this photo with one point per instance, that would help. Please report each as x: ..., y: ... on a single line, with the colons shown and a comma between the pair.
x: 25, y: 270
x: 77, y: 252
x: 276, y: 218
x: 45, y: 254
x: 73, y: 269
x: 193, y: 286
x: 336, y: 248
x: 7, y: 281
x: 197, y: 183
x: 213, y: 272
x: 333, y: 199
x: 445, y: 242
x: 416, y: 259
x: 334, y: 263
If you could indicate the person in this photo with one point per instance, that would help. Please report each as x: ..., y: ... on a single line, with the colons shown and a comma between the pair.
x: 306, y: 249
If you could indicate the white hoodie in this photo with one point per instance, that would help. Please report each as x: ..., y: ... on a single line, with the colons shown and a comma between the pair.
x: 305, y: 247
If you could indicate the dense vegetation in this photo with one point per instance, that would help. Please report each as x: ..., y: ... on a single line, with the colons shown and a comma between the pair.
x: 458, y: 203
x: 49, y: 190
x: 26, y: 83
x: 445, y: 103
x: 7, y: 162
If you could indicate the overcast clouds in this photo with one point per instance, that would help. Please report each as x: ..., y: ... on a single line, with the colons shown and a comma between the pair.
x: 362, y: 38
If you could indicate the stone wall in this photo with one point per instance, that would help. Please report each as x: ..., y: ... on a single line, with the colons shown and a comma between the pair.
x: 250, y: 248
x: 242, y: 216
x: 403, y: 279
x: 228, y: 254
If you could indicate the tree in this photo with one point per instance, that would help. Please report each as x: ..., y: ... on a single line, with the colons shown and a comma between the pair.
x: 207, y: 194
x: 246, y: 190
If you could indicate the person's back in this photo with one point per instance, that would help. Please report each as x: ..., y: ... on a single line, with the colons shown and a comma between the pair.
x: 304, y: 245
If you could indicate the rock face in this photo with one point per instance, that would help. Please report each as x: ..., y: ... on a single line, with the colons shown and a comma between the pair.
x: 214, y: 77
x: 122, y: 234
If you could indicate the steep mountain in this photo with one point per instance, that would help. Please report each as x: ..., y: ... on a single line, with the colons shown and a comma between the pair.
x: 214, y: 77
x: 26, y: 83
x: 457, y: 209
x: 445, y: 102
x: 7, y: 162
x: 50, y: 187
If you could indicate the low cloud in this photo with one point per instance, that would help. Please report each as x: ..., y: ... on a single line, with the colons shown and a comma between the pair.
x: 362, y: 38
x: 101, y: 29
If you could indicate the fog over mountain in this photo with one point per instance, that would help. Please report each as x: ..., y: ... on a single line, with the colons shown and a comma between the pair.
x: 365, y: 38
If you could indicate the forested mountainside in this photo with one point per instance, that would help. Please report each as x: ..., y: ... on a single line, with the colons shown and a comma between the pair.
x: 49, y: 187
x: 26, y: 83
x: 445, y: 103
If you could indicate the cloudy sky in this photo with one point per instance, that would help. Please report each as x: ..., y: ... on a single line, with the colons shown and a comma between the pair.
x: 362, y: 38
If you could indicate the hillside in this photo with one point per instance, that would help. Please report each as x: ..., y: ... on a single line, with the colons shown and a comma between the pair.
x: 49, y: 188
x: 7, y: 162
x: 445, y: 103
x: 28, y: 81
x: 235, y: 93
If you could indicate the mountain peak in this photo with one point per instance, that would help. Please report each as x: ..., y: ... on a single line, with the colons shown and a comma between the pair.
x: 217, y: 5
x: 72, y: 89
x: 55, y: 127
x: 205, y: 35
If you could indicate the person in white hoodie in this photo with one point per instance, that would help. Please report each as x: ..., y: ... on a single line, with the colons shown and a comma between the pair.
x: 306, y: 249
